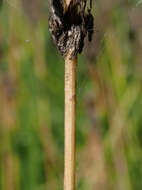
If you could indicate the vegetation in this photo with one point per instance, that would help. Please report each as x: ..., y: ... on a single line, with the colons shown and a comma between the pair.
x: 109, y: 114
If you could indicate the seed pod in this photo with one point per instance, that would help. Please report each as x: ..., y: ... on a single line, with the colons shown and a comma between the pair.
x: 69, y: 27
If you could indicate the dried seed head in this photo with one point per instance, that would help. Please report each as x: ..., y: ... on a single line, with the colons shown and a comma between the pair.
x: 70, y: 27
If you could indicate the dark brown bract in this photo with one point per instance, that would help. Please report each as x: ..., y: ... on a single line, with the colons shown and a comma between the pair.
x: 70, y: 28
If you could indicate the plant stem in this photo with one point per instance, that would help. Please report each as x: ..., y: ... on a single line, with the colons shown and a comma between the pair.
x: 66, y: 4
x: 70, y: 118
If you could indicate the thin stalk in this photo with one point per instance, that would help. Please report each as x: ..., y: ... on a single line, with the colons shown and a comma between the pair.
x: 70, y: 120
x: 66, y: 4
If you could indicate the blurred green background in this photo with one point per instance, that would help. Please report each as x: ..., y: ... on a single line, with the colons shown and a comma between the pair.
x: 109, y: 99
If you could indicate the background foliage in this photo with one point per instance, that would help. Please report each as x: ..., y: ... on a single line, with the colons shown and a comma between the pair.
x: 109, y: 99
